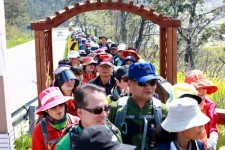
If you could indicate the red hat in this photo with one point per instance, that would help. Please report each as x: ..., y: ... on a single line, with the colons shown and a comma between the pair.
x: 131, y: 53
x: 51, y: 97
x: 198, y: 80
x: 101, y: 51
x: 105, y: 59
x: 88, y: 60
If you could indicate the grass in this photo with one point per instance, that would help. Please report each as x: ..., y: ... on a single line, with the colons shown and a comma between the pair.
x: 16, y: 36
x: 23, y: 143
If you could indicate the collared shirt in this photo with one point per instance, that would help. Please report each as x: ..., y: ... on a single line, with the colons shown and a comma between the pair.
x: 134, y: 127
x: 65, y: 142
x: 108, y: 86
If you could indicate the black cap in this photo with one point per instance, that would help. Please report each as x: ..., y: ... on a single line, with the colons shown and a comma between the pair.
x: 121, y: 71
x: 197, y: 98
x: 113, y: 46
x: 98, y: 137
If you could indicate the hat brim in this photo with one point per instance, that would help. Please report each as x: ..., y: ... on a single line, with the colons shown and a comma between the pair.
x: 173, y: 125
x: 125, y: 147
x: 136, y: 56
x: 53, y: 103
x: 205, y: 83
x: 146, y: 78
x: 105, y: 63
x: 88, y: 63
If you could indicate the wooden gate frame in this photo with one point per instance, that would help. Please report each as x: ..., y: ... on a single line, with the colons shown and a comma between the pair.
x: 43, y: 37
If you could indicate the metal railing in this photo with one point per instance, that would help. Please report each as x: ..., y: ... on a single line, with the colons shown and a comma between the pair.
x: 22, y: 113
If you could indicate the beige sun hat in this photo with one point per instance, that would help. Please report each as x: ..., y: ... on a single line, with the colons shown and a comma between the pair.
x: 184, y: 113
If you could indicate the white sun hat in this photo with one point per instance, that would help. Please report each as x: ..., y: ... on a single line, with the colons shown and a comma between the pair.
x: 184, y: 113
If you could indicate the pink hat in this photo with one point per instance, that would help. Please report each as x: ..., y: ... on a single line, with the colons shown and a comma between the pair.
x: 88, y: 60
x: 51, y: 97
x: 198, y: 80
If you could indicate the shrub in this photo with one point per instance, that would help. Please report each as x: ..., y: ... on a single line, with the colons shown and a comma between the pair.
x: 23, y: 143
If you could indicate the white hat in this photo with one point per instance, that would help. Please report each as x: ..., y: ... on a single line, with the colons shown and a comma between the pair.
x: 73, y: 54
x: 184, y: 113
x: 121, y: 47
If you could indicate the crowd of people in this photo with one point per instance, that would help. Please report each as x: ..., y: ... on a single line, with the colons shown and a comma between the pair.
x: 104, y: 97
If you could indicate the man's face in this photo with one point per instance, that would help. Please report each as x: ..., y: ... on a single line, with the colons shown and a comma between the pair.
x: 141, y: 92
x: 123, y: 84
x: 105, y: 70
x: 113, y: 51
x: 94, y: 99
x: 120, y: 53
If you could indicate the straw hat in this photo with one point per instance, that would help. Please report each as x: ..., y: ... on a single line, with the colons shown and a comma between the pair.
x: 51, y: 97
x: 184, y: 113
x: 198, y: 80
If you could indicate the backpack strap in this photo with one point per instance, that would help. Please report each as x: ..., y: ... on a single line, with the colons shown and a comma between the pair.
x: 121, y: 114
x: 73, y: 136
x: 114, y: 129
x: 44, y: 131
x: 157, y: 111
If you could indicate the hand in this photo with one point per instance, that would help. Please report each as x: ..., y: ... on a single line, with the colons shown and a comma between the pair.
x: 212, y: 140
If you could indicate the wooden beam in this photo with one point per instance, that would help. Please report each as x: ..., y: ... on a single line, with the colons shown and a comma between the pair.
x: 221, y: 116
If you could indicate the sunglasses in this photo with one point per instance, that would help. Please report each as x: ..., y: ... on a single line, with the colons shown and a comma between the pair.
x: 150, y: 82
x: 98, y: 110
x: 125, y: 79
x: 60, y: 105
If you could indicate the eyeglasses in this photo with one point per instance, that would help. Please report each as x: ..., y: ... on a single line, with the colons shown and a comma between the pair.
x: 98, y: 110
x: 150, y: 82
x: 60, y: 105
x: 125, y: 79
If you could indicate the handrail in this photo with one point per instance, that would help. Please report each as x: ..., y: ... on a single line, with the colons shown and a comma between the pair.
x: 22, y: 113
x: 221, y: 116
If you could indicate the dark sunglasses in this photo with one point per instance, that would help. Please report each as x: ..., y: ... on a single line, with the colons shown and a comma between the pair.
x: 150, y: 82
x: 60, y: 105
x: 124, y: 79
x: 98, y: 110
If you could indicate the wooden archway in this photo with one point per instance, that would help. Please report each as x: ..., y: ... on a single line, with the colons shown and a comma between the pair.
x: 43, y: 36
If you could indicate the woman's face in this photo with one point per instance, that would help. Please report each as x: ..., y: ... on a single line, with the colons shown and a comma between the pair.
x: 68, y: 85
x: 193, y: 133
x: 202, y: 92
x: 57, y: 112
x: 90, y: 67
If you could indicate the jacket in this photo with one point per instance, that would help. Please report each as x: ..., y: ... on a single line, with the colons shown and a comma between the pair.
x: 37, y: 137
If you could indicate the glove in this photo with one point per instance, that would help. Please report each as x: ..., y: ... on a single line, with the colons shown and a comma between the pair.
x: 212, y: 140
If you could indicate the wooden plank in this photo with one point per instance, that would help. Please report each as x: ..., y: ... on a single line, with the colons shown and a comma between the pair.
x: 169, y: 64
x: 38, y: 63
x: 221, y: 116
x: 51, y: 67
x: 162, y: 53
x: 174, y: 56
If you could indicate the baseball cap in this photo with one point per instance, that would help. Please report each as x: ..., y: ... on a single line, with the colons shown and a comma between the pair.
x: 99, y: 137
x: 142, y: 71
x: 113, y: 46
x: 105, y: 59
x: 121, y: 71
x: 126, y: 59
x: 73, y: 54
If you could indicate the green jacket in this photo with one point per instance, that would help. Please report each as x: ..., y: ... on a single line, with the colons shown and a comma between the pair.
x: 132, y: 129
x: 65, y: 142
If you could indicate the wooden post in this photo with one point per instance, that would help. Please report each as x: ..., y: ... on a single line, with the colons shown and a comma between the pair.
x: 6, y: 130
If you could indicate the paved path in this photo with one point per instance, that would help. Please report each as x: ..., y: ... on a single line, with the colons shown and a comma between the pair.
x: 20, y: 67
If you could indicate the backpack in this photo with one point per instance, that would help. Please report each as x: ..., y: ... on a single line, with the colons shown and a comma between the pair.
x: 122, y: 114
x: 44, y: 130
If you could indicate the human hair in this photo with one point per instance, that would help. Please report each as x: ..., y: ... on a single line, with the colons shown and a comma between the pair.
x: 80, y: 100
